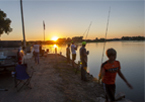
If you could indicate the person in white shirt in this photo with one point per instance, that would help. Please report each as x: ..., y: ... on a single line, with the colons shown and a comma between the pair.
x: 36, y: 50
x: 73, y: 50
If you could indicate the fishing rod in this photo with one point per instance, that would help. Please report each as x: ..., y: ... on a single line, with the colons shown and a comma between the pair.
x: 88, y: 29
x: 86, y: 32
x: 107, y: 25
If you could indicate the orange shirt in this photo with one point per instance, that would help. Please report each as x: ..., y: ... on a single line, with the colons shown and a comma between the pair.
x: 111, y: 70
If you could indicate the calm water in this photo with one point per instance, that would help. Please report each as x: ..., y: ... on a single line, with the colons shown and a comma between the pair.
x: 131, y: 56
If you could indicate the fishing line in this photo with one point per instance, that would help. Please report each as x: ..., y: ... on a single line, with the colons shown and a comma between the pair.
x: 107, y: 25
x: 86, y: 32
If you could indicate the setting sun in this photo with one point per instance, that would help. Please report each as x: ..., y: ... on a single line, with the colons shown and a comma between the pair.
x: 54, y: 38
x: 55, y: 46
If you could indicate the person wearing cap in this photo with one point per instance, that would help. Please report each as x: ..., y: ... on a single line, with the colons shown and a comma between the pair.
x: 73, y: 50
x: 83, y: 58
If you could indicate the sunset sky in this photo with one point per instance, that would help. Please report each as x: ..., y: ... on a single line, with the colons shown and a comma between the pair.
x: 72, y: 17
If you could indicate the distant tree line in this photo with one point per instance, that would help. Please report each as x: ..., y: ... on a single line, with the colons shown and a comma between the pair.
x: 133, y: 38
x: 80, y: 39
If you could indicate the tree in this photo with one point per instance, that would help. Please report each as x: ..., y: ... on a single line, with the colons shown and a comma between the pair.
x: 4, y: 23
x: 96, y: 39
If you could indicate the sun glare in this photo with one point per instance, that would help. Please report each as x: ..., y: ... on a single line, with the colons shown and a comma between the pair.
x: 54, y: 38
x: 55, y: 46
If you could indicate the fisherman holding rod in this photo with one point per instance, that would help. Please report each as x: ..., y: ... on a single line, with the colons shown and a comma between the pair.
x: 83, y: 58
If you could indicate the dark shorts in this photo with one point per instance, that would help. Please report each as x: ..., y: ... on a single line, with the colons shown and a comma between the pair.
x: 110, y: 91
x: 68, y: 58
x: 73, y: 56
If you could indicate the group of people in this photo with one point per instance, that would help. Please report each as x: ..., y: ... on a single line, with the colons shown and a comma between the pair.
x: 38, y: 51
x: 83, y: 58
x: 108, y: 70
x: 73, y: 50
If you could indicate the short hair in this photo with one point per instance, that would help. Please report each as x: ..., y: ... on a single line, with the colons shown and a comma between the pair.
x: 111, y: 52
x: 68, y: 44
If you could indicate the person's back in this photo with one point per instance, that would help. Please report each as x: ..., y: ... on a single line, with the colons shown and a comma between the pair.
x: 73, y: 49
x: 68, y: 54
x: 68, y: 51
x: 36, y: 48
x: 83, y: 56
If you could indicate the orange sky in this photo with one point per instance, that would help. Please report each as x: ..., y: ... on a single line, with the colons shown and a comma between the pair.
x: 69, y: 19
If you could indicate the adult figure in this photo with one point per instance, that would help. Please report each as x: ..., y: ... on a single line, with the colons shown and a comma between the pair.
x: 20, y: 55
x: 36, y: 51
x: 68, y: 54
x: 83, y: 58
x: 73, y: 50
x: 40, y: 50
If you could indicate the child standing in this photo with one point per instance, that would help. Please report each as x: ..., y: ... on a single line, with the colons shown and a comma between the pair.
x: 68, y: 54
x: 108, y: 72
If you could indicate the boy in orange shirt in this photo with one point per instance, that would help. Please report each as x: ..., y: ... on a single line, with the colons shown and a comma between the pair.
x: 108, y: 72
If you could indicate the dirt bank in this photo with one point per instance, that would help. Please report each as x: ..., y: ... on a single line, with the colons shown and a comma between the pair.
x: 52, y: 81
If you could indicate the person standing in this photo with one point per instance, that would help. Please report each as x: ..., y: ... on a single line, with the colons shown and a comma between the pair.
x: 73, y: 50
x: 40, y: 50
x: 20, y: 55
x: 83, y: 58
x: 68, y: 54
x: 108, y: 72
x: 36, y: 50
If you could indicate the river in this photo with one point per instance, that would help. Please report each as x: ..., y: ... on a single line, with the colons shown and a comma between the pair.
x: 131, y: 56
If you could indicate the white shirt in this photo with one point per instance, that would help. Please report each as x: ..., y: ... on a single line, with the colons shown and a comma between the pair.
x: 73, y: 49
x: 36, y: 48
